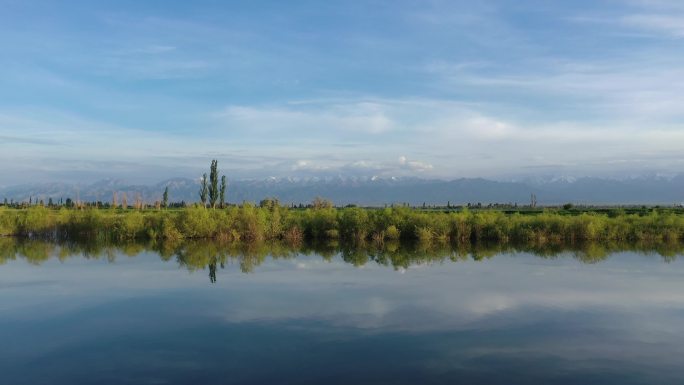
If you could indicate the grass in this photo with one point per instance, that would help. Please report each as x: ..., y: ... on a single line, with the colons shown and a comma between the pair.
x: 249, y: 223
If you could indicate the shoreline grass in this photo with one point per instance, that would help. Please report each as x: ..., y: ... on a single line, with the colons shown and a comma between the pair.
x: 249, y: 223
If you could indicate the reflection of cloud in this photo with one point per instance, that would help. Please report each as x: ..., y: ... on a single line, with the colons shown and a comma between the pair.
x: 458, y: 295
x: 627, y: 292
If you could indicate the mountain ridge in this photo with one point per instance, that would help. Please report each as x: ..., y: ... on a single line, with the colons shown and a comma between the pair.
x: 377, y: 191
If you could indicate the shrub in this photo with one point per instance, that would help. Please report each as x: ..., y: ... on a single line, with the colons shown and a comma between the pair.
x: 332, y: 234
x: 8, y: 222
x: 392, y: 232
x: 424, y: 234
x: 195, y: 222
x: 130, y: 225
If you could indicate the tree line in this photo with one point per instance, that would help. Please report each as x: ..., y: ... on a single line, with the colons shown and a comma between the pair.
x: 271, y: 221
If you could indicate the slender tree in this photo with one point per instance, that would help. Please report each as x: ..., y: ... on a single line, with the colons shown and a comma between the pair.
x: 222, y: 193
x: 138, y: 201
x: 203, y: 190
x: 213, y: 183
x: 320, y: 203
x: 165, y: 197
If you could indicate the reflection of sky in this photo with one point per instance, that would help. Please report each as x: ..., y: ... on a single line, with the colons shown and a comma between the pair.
x: 619, y: 320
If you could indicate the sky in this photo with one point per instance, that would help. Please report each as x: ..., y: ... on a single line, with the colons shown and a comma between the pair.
x: 501, y: 89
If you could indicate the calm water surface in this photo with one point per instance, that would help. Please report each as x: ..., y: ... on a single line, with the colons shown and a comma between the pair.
x: 514, y: 318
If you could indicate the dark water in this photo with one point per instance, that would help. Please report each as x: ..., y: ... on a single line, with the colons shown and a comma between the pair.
x: 132, y: 316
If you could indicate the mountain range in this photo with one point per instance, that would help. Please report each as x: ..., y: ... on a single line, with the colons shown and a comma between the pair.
x: 376, y: 191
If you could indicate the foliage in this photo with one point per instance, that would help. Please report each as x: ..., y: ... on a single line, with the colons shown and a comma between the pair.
x: 165, y: 197
x: 222, y: 192
x: 204, y: 190
x: 269, y: 221
x: 213, y: 183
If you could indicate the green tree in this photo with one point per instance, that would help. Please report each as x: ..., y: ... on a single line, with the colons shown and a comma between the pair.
x: 203, y: 190
x: 165, y: 197
x: 222, y: 193
x: 213, y: 183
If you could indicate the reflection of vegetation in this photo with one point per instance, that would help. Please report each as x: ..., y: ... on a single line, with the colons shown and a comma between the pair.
x: 321, y: 222
x: 213, y: 255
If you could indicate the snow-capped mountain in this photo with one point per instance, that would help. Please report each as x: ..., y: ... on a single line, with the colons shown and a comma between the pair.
x: 378, y: 191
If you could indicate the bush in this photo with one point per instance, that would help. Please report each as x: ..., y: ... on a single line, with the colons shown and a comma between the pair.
x: 169, y: 230
x: 392, y: 232
x: 130, y: 225
x: 195, y: 222
x: 332, y: 234
x: 36, y: 220
x: 250, y: 223
x: 424, y: 234
x: 8, y: 222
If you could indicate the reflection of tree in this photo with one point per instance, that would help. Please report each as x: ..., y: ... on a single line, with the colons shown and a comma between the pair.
x: 212, y: 271
x: 8, y: 249
x: 36, y: 252
x: 212, y: 255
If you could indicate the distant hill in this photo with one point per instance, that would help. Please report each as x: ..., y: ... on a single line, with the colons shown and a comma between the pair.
x: 379, y: 191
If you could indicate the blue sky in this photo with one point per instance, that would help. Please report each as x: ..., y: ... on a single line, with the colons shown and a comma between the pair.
x: 436, y: 89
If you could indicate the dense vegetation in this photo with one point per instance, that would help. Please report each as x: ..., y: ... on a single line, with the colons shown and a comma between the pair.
x: 322, y: 221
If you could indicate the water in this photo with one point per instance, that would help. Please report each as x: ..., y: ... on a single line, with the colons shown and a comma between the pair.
x: 133, y: 316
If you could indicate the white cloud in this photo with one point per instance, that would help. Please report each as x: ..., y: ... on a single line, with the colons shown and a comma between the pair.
x: 665, y: 23
x: 364, y: 117
x: 307, y: 165
x: 644, y: 86
x: 425, y: 137
x: 414, y: 165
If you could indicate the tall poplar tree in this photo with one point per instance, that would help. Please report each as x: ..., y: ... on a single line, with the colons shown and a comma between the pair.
x: 203, y: 190
x: 222, y: 193
x: 213, y: 183
x: 165, y: 197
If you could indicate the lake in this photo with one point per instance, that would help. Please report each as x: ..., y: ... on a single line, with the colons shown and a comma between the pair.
x: 204, y: 313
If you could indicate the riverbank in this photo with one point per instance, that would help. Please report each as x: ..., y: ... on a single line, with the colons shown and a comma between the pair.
x: 249, y: 223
